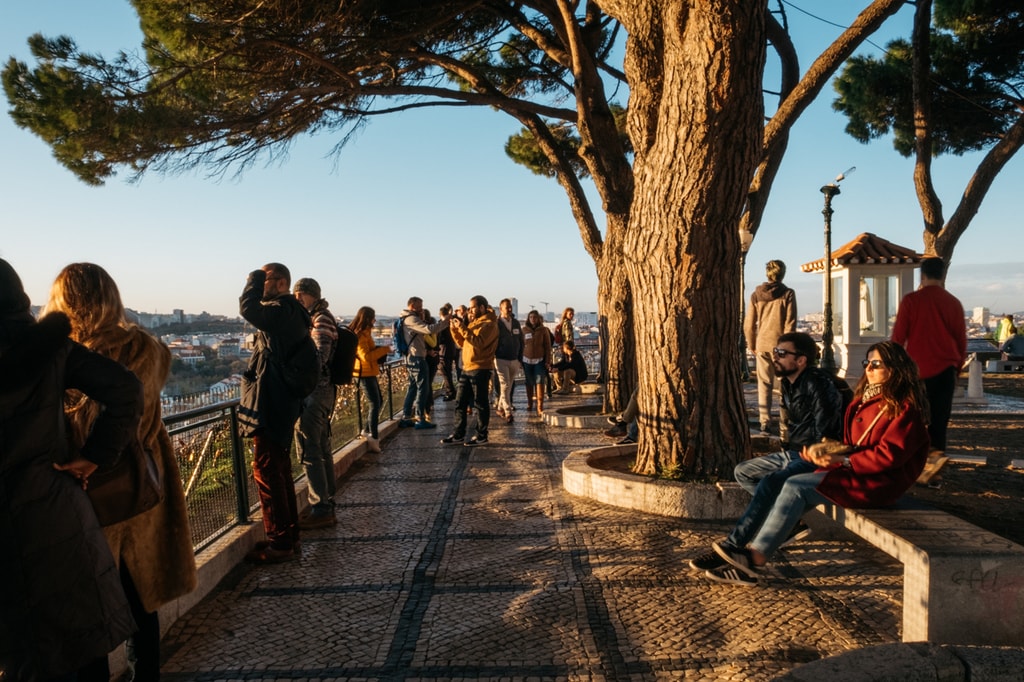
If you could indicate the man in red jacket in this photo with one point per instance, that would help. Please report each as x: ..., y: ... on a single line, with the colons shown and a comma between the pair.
x: 930, y: 325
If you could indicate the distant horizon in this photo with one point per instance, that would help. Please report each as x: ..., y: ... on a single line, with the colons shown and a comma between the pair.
x: 968, y: 282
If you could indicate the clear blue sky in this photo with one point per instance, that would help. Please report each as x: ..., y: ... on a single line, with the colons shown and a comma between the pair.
x: 426, y: 203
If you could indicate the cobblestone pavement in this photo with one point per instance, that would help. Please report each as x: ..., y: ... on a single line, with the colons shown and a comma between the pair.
x: 453, y: 563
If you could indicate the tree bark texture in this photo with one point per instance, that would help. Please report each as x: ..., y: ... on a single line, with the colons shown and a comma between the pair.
x: 696, y: 121
x: 615, y: 306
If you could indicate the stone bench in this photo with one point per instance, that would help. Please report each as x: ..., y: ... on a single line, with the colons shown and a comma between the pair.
x: 1012, y: 366
x: 961, y: 584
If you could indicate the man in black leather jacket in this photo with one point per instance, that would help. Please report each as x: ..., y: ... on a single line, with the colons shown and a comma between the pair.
x: 815, y: 410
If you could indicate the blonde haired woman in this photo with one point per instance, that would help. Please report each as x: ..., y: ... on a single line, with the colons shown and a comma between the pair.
x: 564, y: 331
x: 368, y: 355
x: 153, y: 550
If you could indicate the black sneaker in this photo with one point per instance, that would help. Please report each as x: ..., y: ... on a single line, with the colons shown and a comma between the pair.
x: 451, y: 440
x: 739, y: 558
x: 730, y: 575
x: 615, y: 421
x: 801, y: 531
x: 708, y: 561
x: 617, y: 431
x: 477, y: 440
x: 626, y: 441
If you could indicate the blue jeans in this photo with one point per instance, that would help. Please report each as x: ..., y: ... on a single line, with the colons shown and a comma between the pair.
x: 473, y: 388
x: 763, y: 477
x: 799, y: 493
x: 371, y: 389
x: 534, y: 374
x: 313, y: 446
x: 417, y: 395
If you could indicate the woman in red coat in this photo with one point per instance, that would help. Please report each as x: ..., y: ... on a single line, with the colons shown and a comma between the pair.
x: 886, y: 435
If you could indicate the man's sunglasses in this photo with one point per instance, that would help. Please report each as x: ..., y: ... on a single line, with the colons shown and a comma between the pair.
x: 782, y: 352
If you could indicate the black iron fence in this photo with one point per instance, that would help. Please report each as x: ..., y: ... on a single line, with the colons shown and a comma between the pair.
x: 216, y: 464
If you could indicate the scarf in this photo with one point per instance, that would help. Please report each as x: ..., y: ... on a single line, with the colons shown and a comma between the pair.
x: 870, y: 391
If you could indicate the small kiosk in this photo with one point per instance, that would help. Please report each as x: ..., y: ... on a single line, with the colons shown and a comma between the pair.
x: 869, y: 277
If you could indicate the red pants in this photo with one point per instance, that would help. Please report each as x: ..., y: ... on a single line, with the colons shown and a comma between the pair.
x: 272, y: 469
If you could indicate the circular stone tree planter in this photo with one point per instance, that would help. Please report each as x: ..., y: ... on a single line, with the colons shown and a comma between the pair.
x: 594, y: 474
x: 586, y: 416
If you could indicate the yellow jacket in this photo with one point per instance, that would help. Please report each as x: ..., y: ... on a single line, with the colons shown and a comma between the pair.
x: 479, y: 341
x: 367, y: 355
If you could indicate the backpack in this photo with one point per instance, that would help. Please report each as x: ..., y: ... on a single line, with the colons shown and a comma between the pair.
x: 558, y: 335
x: 343, y: 362
x: 398, y: 336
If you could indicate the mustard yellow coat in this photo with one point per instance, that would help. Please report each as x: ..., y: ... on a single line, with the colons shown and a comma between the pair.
x: 367, y: 355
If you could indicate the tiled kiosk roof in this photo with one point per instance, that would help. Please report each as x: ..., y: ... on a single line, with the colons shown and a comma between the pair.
x: 866, y: 248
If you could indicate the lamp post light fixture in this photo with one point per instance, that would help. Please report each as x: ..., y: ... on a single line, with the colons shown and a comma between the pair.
x: 828, y: 358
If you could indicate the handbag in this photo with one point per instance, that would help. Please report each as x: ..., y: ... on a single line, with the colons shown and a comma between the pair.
x: 831, y: 446
x: 128, y: 488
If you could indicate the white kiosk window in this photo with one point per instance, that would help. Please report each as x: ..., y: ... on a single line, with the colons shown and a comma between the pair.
x: 878, y: 305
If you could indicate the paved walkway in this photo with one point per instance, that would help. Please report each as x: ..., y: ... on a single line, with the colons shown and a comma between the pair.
x: 452, y: 563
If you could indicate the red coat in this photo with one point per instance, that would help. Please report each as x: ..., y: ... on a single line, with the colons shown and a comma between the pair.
x: 885, y: 464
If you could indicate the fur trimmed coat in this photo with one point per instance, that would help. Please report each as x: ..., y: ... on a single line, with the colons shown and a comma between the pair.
x: 155, y: 546
x: 61, y: 602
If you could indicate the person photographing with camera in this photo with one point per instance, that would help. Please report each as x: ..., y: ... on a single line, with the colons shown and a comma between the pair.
x: 477, y: 335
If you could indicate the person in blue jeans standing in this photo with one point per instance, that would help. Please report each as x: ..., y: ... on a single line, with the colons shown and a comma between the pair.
x: 368, y: 358
x: 415, y: 328
x: 815, y: 410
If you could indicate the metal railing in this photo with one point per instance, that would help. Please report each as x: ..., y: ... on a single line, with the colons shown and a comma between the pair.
x: 216, y: 463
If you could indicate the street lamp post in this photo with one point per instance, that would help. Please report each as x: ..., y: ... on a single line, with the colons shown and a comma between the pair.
x: 828, y: 359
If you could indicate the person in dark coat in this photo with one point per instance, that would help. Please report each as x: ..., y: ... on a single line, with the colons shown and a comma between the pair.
x: 449, y: 353
x: 571, y: 369
x: 270, y: 407
x: 61, y: 602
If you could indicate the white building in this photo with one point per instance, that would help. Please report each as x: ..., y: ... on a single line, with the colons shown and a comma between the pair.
x: 979, y: 316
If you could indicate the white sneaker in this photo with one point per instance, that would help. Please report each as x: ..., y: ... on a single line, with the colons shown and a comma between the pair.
x: 373, y: 444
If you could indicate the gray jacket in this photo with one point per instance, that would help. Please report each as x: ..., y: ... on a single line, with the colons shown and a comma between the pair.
x: 772, y: 313
x: 415, y: 328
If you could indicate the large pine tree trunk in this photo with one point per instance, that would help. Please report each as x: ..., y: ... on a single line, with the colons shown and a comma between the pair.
x: 696, y: 119
x: 615, y: 306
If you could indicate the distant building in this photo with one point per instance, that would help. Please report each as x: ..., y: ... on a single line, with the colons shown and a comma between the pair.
x: 228, y: 388
x: 188, y: 355
x: 227, y: 348
x: 979, y: 316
